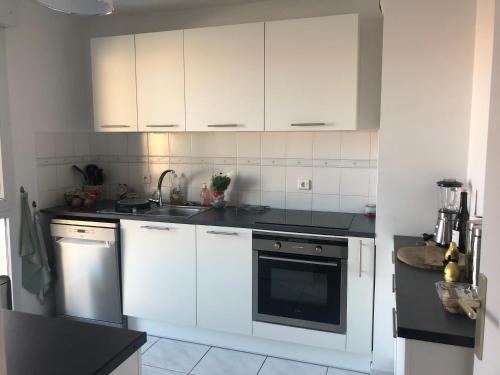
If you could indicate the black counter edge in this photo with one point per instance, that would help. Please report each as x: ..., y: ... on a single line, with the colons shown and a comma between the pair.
x: 121, y: 357
x: 439, y: 338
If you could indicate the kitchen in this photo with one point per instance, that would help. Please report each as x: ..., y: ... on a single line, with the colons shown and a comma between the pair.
x: 299, y: 177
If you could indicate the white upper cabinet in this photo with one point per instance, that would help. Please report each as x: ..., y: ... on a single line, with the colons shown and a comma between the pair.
x: 114, y: 83
x: 160, y: 81
x: 312, y: 74
x: 225, y: 78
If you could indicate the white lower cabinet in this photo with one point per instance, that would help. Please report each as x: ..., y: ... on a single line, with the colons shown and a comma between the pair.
x: 360, y: 284
x: 202, y: 276
x: 224, y: 269
x: 159, y: 271
x: 415, y: 357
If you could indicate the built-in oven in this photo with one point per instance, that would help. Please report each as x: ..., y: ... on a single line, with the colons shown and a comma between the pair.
x: 300, y: 280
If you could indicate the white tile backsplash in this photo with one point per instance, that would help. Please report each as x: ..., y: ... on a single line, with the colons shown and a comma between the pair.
x: 137, y: 144
x: 276, y: 199
x: 265, y: 167
x: 273, y: 178
x: 355, y: 145
x: 293, y: 174
x: 180, y: 144
x: 352, y: 203
x: 274, y: 145
x: 299, y: 201
x: 47, y: 178
x: 224, y: 145
x: 202, y: 144
x: 45, y: 145
x: 248, y: 145
x: 81, y: 143
x: 64, y: 145
x: 117, y: 144
x: 299, y: 145
x: 355, y: 181
x: 98, y: 143
x: 326, y: 180
x: 326, y: 202
x: 249, y: 177
x: 326, y: 145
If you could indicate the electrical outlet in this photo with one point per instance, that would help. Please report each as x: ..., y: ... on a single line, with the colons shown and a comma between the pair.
x: 304, y: 184
x: 146, y: 179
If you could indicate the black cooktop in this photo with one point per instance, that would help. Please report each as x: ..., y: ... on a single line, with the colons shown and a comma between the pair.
x: 333, y: 220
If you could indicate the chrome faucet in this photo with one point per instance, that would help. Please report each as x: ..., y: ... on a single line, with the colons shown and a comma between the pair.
x: 159, y: 201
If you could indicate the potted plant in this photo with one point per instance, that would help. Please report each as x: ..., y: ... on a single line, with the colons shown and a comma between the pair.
x: 220, y: 183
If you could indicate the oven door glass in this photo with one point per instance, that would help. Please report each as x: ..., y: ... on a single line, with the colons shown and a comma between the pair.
x: 295, y: 288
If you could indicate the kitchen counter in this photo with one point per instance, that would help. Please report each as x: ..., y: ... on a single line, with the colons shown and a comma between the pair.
x: 34, y: 344
x: 420, y: 314
x: 313, y: 222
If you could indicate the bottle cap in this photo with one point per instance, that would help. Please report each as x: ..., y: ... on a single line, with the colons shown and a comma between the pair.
x: 204, y: 186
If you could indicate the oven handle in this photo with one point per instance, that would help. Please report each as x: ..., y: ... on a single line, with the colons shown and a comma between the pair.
x: 298, y: 261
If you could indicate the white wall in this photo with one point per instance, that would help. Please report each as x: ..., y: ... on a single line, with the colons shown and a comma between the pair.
x: 47, y: 65
x: 425, y: 113
x: 490, y: 256
x: 480, y: 101
x: 370, y: 32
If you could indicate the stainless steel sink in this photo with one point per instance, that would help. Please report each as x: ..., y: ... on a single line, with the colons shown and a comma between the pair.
x: 176, y: 211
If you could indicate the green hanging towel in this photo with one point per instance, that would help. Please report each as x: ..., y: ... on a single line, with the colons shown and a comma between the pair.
x: 35, y: 268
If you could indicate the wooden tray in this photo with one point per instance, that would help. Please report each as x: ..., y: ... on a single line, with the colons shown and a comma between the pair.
x: 428, y: 257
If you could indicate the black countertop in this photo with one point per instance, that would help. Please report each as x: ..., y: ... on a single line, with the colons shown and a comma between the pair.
x: 39, y: 345
x: 420, y: 314
x: 313, y: 222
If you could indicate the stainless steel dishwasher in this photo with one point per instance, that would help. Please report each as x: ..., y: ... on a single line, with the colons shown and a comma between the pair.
x: 87, y: 259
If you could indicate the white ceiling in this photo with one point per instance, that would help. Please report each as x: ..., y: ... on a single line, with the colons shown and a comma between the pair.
x: 144, y: 5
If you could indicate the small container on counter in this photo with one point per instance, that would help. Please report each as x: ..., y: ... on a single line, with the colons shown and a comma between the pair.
x: 451, y: 293
x: 371, y: 210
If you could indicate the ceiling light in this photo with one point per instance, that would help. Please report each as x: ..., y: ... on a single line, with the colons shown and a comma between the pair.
x: 80, y: 7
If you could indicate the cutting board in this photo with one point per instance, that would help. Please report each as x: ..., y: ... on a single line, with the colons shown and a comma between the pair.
x: 428, y: 257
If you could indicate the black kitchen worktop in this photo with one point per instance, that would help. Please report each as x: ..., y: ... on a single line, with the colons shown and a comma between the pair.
x: 420, y: 314
x: 313, y: 222
x: 39, y: 345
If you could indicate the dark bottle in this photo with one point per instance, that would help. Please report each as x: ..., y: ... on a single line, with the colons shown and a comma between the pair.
x: 460, y: 225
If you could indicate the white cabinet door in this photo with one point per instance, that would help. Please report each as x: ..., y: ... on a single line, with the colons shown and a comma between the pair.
x: 312, y: 74
x: 159, y: 271
x: 225, y: 78
x: 114, y: 84
x: 160, y: 81
x: 224, y: 259
x: 360, y: 283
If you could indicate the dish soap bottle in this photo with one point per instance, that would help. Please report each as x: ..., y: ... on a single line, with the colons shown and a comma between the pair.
x: 175, y: 191
x: 205, y: 196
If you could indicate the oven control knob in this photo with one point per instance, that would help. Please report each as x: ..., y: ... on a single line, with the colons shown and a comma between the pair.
x: 277, y: 245
x: 318, y: 249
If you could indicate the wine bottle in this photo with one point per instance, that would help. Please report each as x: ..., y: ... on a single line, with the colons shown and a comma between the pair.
x: 460, y: 225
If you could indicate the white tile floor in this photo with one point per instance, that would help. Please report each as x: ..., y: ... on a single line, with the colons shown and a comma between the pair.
x: 172, y: 357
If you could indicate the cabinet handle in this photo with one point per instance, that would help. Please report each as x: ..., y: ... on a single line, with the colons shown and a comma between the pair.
x: 222, y: 233
x: 308, y: 124
x: 114, y: 126
x: 393, y: 283
x: 394, y: 324
x: 222, y: 125
x: 162, y: 126
x: 152, y: 227
x: 360, y: 256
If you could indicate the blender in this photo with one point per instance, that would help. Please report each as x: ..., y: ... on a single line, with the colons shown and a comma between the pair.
x: 449, y: 200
